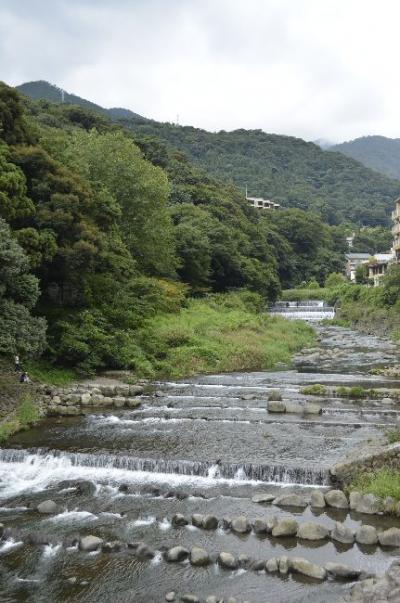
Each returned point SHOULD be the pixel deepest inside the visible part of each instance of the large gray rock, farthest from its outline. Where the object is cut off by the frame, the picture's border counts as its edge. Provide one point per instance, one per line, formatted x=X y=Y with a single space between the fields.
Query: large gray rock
x=179 y=520
x=90 y=543
x=176 y=553
x=310 y=408
x=369 y=504
x=312 y=531
x=228 y=561
x=262 y=499
x=272 y=565
x=318 y=499
x=210 y=522
x=240 y=525
x=390 y=537
x=47 y=507
x=144 y=551
x=283 y=565
x=113 y=546
x=354 y=499
x=389 y=505
x=276 y=406
x=290 y=500
x=197 y=520
x=285 y=527
x=136 y=390
x=260 y=526
x=366 y=535
x=189 y=598
x=336 y=499
x=342 y=571
x=170 y=596
x=199 y=557
x=384 y=589
x=341 y=533
x=271 y=522
x=305 y=567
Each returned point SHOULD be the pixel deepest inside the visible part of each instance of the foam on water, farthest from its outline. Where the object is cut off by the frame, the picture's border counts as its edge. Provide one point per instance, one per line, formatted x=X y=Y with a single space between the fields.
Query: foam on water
x=70 y=516
x=50 y=550
x=9 y=545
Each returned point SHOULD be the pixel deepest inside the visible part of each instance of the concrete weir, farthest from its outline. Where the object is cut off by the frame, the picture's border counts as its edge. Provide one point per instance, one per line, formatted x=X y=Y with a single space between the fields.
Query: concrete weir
x=202 y=490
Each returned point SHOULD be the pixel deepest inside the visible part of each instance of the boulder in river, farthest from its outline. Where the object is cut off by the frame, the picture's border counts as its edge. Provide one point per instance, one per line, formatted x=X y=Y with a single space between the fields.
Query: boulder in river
x=197 y=520
x=47 y=507
x=343 y=534
x=240 y=525
x=176 y=553
x=354 y=499
x=366 y=535
x=210 y=522
x=179 y=520
x=336 y=499
x=271 y=565
x=90 y=543
x=170 y=596
x=310 y=408
x=199 y=557
x=112 y=547
x=318 y=499
x=262 y=499
x=312 y=531
x=290 y=500
x=260 y=526
x=339 y=570
x=276 y=406
x=390 y=537
x=228 y=561
x=285 y=527
x=144 y=551
x=283 y=564
x=189 y=598
x=369 y=504
x=305 y=567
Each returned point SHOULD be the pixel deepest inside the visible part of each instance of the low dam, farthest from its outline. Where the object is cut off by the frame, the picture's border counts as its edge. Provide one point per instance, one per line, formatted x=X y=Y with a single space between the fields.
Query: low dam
x=313 y=310
x=177 y=470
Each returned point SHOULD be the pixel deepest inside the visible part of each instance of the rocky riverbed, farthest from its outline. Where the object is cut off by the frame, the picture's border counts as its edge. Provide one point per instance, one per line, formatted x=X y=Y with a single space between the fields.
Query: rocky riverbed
x=195 y=491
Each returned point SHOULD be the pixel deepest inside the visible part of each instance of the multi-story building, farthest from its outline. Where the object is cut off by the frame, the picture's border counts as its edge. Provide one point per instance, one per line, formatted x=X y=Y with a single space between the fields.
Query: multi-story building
x=260 y=203
x=396 y=231
x=353 y=260
x=378 y=265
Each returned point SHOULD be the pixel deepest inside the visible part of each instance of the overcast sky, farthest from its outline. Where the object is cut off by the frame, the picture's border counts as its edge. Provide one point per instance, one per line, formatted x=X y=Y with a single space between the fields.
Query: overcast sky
x=308 y=68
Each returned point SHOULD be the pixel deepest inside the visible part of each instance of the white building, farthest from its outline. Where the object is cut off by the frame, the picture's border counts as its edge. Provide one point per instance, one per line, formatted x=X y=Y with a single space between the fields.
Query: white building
x=260 y=203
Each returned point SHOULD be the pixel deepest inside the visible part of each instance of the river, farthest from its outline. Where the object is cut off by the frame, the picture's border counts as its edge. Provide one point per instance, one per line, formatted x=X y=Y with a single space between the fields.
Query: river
x=204 y=445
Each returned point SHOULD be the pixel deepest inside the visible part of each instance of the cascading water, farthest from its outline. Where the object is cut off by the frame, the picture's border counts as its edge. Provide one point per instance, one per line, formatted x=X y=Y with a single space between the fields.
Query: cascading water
x=313 y=310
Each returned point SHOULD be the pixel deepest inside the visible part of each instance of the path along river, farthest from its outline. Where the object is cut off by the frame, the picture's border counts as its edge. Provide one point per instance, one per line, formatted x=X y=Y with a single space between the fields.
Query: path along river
x=205 y=445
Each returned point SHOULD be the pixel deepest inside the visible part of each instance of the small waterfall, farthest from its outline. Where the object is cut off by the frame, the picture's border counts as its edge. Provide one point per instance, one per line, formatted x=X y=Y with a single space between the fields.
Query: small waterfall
x=304 y=310
x=243 y=471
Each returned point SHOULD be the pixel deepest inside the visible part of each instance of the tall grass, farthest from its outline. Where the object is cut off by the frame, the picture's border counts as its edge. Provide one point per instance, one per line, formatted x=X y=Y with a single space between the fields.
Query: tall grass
x=220 y=334
x=382 y=483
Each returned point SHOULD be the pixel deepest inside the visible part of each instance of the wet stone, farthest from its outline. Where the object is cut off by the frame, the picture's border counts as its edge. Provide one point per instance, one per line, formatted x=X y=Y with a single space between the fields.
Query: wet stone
x=90 y=543
x=47 y=507
x=199 y=557
x=285 y=527
x=290 y=500
x=312 y=531
x=342 y=534
x=176 y=553
x=257 y=565
x=188 y=598
x=318 y=499
x=369 y=504
x=240 y=525
x=354 y=499
x=260 y=526
x=366 y=535
x=170 y=596
x=179 y=520
x=144 y=551
x=283 y=565
x=197 y=520
x=305 y=567
x=228 y=561
x=342 y=571
x=263 y=498
x=271 y=565
x=390 y=537
x=210 y=522
x=336 y=499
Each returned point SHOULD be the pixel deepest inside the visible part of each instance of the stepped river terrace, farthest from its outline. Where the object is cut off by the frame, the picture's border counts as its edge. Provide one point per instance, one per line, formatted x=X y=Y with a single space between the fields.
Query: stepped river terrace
x=175 y=472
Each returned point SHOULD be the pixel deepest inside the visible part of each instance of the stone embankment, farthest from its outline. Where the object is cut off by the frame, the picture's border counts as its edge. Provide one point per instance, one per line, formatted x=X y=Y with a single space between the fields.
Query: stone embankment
x=77 y=399
x=381 y=457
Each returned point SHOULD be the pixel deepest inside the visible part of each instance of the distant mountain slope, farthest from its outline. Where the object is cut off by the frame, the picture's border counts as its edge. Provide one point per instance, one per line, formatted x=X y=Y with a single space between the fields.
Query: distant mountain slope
x=288 y=170
x=377 y=152
x=44 y=90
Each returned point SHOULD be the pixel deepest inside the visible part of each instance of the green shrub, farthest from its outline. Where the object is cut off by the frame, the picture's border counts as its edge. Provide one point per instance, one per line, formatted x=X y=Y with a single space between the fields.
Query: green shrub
x=314 y=390
x=382 y=483
x=393 y=435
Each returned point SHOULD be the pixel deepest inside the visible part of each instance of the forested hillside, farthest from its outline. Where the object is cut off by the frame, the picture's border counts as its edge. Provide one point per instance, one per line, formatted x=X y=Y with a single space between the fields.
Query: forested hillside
x=377 y=152
x=288 y=170
x=104 y=229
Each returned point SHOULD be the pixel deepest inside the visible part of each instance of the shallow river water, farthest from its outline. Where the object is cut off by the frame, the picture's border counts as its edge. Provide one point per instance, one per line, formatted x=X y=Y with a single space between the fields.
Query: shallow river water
x=203 y=445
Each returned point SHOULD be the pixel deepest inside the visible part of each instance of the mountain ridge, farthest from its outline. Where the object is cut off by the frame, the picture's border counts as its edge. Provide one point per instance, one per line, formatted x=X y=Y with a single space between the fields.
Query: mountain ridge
x=375 y=151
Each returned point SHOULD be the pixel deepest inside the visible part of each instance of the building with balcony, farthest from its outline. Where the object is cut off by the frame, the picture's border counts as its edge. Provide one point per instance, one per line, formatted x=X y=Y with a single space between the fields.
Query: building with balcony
x=378 y=265
x=396 y=231
x=353 y=260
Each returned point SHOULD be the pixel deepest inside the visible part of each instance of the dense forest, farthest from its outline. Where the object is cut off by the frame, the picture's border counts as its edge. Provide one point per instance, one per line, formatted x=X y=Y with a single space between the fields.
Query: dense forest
x=103 y=228
x=377 y=152
x=288 y=170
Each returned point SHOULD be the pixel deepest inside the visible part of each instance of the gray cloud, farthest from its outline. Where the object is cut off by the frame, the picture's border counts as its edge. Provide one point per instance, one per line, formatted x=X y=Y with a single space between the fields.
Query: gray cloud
x=307 y=68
